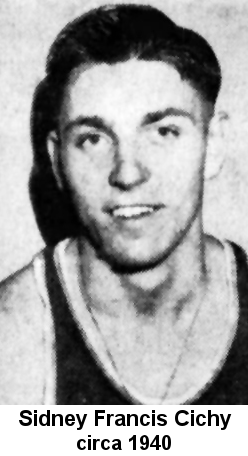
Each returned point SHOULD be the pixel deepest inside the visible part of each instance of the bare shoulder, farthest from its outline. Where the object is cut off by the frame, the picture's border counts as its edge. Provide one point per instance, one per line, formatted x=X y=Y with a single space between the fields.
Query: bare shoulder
x=16 y=289
x=21 y=338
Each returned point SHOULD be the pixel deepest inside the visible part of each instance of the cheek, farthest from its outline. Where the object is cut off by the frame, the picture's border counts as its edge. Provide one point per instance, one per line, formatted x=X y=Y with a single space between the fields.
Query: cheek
x=181 y=169
x=85 y=186
x=84 y=175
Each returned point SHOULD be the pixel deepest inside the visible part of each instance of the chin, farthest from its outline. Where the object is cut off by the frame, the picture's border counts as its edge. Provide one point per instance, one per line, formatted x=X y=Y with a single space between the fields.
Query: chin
x=129 y=255
x=128 y=262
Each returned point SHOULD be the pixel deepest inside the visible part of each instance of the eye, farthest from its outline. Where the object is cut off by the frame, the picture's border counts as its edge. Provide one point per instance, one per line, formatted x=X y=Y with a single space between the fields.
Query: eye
x=88 y=140
x=165 y=131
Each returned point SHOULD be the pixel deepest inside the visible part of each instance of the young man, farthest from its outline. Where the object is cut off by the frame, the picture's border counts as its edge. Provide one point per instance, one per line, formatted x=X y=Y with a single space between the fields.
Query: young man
x=137 y=304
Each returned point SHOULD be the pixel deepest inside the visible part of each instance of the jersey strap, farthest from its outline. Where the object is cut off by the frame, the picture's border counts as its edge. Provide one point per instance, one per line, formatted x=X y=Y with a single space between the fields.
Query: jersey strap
x=79 y=378
x=230 y=387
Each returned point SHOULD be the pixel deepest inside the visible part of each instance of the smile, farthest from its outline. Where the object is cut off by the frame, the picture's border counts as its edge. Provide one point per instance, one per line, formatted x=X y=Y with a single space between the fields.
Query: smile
x=133 y=212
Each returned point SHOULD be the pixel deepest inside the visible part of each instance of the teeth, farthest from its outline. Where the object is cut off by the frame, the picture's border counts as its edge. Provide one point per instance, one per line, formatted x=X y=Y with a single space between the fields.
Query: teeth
x=132 y=211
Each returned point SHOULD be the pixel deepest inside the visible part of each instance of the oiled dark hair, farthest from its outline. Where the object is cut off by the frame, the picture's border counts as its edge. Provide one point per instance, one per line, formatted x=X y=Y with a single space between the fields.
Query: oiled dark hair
x=109 y=34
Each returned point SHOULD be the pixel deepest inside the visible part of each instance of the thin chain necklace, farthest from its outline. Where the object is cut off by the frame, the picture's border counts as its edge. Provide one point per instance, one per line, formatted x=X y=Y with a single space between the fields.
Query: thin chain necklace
x=172 y=377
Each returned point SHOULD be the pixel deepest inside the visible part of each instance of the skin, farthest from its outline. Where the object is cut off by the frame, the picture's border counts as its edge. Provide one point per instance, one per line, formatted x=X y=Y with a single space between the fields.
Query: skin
x=115 y=151
x=135 y=135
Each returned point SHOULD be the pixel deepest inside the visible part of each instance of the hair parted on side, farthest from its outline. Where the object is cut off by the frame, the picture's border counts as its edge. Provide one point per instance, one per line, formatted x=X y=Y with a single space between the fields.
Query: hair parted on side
x=108 y=34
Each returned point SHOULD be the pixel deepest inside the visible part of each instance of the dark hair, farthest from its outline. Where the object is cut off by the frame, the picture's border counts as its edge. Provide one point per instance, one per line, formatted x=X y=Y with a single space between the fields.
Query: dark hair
x=109 y=34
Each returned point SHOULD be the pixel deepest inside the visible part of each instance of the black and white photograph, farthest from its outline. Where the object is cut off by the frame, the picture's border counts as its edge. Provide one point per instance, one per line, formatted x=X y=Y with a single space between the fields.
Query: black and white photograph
x=124 y=202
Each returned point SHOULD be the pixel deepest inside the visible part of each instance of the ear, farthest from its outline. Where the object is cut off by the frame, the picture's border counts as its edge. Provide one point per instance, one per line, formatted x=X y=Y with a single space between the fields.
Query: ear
x=53 y=147
x=216 y=144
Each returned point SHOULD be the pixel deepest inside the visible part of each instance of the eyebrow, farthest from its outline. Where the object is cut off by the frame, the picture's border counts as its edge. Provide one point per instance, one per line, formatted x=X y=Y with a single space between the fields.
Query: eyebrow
x=150 y=118
x=90 y=121
x=154 y=117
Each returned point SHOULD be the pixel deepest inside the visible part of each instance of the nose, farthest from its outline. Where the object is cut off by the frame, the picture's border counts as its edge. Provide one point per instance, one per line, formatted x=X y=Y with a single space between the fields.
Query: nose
x=128 y=171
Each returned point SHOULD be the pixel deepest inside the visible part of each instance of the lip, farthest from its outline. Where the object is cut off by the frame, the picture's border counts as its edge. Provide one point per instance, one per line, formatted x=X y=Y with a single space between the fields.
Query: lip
x=133 y=211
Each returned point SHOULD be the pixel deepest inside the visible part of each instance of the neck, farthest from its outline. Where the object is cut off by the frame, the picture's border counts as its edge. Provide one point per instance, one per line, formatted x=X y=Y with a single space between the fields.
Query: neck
x=169 y=287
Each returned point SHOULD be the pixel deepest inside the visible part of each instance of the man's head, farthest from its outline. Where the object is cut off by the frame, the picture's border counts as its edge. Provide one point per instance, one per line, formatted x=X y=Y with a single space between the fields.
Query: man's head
x=128 y=97
x=114 y=34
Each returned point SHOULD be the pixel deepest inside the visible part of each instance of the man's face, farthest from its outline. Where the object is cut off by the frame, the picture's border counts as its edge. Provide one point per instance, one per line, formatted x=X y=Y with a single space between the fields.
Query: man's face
x=132 y=149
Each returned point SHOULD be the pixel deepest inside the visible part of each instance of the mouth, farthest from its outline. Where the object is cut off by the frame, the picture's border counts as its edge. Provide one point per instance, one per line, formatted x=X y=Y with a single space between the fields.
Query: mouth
x=133 y=212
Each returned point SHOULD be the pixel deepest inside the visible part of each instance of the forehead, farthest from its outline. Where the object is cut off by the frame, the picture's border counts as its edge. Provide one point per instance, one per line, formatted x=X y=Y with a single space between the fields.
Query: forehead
x=131 y=88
